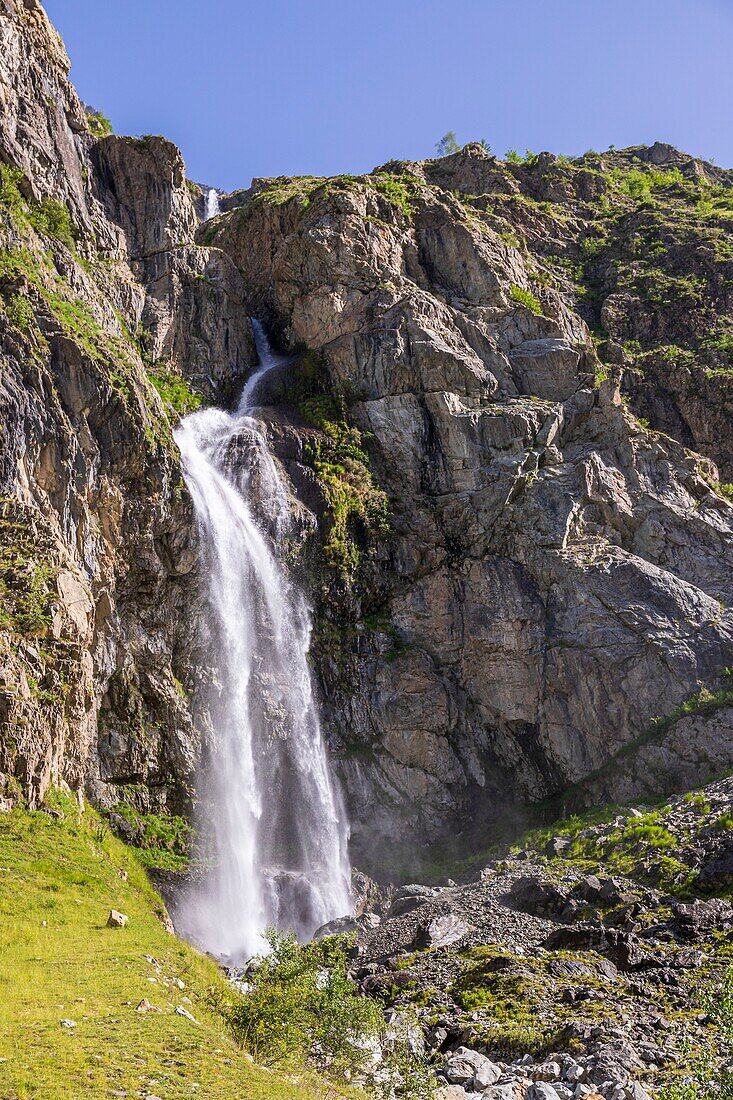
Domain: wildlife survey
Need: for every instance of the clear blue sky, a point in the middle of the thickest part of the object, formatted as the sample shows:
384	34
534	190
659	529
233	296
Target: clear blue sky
268	87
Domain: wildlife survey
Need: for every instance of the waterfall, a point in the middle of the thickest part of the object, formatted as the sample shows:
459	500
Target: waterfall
212	206
275	822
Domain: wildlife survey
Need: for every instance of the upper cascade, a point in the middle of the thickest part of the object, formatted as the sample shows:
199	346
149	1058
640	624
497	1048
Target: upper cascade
212	206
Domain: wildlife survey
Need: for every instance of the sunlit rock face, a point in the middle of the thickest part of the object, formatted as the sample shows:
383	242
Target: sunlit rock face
556	575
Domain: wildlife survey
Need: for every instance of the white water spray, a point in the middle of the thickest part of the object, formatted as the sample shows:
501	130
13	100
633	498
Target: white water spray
212	206
277	824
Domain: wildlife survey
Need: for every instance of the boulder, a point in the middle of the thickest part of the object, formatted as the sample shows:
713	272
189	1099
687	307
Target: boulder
408	898
510	1090
443	931
471	1070
116	919
717	873
541	1090
547	1071
696	920
550	368
542	898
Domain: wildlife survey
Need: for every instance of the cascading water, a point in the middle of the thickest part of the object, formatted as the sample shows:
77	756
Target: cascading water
275	821
212	207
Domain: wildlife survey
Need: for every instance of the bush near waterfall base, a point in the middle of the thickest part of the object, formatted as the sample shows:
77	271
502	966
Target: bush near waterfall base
61	874
303	1007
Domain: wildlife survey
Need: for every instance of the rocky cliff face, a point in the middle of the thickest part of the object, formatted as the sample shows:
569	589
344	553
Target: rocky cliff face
104	297
521	573
557	573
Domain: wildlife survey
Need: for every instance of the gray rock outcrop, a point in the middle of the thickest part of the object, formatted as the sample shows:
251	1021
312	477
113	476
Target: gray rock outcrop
557	576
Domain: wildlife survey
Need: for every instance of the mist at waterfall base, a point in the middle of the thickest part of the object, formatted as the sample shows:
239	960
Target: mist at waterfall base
273	824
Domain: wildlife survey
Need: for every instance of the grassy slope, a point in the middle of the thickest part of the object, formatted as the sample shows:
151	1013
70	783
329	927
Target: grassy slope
66	873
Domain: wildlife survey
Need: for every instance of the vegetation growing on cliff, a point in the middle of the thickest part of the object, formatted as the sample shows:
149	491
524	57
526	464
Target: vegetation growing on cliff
161	840
525	298
358	510
48	217
27	573
174	391
395	189
99	125
33	286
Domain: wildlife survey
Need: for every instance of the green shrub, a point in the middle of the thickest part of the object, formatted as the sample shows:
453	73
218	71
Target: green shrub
52	219
99	125
511	238
175	391
20	312
394	189
525	298
304	1007
639	184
